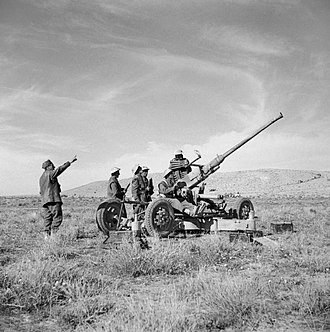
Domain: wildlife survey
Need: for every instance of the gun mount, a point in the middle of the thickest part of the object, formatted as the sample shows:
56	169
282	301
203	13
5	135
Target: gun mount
165	216
214	164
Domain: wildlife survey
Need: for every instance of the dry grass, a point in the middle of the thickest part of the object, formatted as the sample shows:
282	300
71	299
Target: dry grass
74	283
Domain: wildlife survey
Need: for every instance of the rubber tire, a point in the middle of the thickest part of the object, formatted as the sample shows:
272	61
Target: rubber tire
105	215
153	228
239	208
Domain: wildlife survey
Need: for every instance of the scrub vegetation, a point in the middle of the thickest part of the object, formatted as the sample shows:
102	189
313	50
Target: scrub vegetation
74	282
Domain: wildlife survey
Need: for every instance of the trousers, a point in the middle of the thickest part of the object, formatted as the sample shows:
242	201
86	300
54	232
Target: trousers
52	215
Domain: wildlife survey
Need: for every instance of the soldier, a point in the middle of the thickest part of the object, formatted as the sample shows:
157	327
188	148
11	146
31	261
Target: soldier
115	191
138	189
137	183
148	184
166	186
177	192
179	165
50	195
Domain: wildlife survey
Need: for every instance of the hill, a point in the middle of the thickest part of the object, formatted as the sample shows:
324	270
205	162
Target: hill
262	182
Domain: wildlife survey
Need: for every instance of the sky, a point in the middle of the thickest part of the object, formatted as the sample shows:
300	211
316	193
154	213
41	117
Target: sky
123	82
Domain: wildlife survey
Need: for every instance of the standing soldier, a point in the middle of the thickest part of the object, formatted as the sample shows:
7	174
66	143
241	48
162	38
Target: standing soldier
137	183
138	188
148	184
115	191
50	195
179	165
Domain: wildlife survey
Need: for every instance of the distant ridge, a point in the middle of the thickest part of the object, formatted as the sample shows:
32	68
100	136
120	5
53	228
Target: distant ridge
247	183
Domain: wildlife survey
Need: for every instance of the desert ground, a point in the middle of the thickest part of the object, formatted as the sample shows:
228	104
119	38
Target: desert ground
74	282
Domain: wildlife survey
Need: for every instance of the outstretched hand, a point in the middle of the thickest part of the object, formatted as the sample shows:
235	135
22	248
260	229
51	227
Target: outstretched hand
73	159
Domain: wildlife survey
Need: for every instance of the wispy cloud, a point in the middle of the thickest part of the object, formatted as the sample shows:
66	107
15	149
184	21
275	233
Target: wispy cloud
265	2
238	38
320	65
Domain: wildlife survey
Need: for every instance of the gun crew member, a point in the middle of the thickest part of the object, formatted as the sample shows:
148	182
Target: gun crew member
138	189
137	183
179	165
166	186
177	192
50	196
114	189
147	183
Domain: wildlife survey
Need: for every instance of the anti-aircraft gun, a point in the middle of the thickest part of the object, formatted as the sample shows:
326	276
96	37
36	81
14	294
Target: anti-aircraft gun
161	217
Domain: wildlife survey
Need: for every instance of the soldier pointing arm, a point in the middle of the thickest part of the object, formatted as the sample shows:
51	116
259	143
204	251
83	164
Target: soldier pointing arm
50	190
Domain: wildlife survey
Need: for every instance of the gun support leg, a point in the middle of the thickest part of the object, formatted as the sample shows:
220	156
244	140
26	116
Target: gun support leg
108	237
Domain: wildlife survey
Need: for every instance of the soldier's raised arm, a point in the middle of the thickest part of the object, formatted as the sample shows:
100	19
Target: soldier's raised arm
59	170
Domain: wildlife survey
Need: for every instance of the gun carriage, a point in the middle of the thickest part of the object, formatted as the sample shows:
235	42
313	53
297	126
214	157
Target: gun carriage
162	218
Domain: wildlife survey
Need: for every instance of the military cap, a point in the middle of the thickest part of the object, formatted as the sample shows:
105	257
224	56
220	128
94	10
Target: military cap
145	168
114	170
136	168
177	152
46	163
167	172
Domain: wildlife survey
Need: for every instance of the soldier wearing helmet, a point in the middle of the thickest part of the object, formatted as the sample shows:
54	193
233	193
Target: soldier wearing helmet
179	165
166	186
137	183
147	184
177	193
114	189
138	189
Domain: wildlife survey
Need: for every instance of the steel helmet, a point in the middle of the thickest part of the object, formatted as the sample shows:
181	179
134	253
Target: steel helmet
177	152
136	168
114	170
167	172
145	168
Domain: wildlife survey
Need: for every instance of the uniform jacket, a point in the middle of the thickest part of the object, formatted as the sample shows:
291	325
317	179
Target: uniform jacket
114	189
148	188
165	188
138	188
49	187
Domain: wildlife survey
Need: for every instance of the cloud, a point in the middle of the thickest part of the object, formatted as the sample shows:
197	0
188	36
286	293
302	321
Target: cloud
19	172
156	156
240	39
320	65
265	2
32	121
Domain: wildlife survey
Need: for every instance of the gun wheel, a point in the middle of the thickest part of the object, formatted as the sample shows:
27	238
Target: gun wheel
243	208
107	215
159	218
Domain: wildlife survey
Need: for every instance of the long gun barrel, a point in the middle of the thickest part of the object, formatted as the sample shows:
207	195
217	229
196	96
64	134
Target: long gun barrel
214	164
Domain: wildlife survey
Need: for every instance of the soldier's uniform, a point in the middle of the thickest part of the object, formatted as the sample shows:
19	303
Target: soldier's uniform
146	185
172	190
137	183
51	201
166	186
138	189
179	166
114	189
